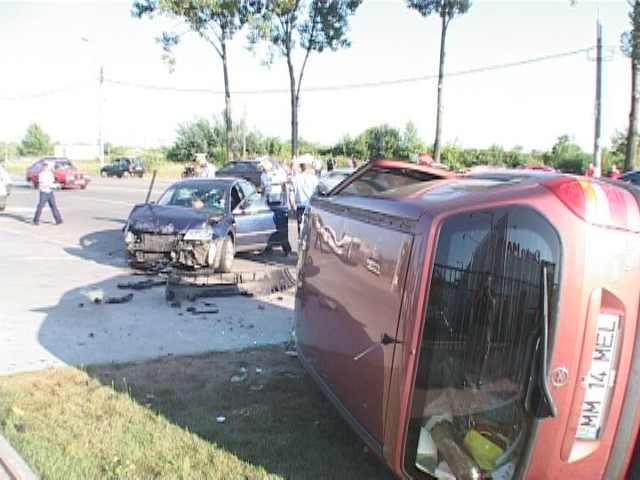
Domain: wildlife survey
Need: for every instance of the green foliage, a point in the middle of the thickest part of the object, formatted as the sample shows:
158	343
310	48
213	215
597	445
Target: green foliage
630	39
9	151
197	137
410	143
277	148
619	142
384	142
448	8
35	142
567	157
319	25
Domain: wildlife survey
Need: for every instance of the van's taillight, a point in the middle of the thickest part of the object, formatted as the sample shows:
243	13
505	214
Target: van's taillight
595	202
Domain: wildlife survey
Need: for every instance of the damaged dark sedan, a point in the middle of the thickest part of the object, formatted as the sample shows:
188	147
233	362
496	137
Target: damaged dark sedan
201	223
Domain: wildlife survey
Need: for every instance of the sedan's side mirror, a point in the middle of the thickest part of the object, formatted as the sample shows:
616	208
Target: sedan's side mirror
322	190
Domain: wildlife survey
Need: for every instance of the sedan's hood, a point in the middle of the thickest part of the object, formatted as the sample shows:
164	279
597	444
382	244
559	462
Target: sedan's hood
154	218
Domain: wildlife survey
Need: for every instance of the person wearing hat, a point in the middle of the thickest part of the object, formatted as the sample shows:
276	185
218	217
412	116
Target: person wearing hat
303	186
46	185
207	170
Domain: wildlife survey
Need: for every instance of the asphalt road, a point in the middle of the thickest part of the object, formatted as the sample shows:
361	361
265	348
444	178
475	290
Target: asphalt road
53	274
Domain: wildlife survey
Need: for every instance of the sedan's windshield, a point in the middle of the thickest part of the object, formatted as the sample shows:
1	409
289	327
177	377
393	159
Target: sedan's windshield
189	196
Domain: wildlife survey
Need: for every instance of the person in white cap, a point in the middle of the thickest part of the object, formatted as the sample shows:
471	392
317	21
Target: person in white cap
207	169
303	186
46	184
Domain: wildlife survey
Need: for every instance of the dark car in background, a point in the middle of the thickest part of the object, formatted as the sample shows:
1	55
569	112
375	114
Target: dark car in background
250	170
124	167
65	173
201	223
631	177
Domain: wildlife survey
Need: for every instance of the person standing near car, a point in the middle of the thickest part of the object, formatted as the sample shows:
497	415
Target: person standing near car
303	186
46	185
207	170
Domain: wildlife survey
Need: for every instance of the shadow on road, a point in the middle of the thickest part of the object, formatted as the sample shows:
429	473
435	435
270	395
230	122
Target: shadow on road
104	323
105	247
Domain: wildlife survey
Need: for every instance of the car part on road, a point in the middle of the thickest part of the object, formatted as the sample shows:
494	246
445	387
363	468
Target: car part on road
143	285
192	286
124	299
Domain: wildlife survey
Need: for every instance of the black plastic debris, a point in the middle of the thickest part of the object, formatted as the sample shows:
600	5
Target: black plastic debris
143	284
124	299
196	285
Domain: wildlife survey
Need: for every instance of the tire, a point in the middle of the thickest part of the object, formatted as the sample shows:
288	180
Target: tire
227	255
103	174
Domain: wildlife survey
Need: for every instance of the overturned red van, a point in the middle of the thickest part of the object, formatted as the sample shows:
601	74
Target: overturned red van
476	326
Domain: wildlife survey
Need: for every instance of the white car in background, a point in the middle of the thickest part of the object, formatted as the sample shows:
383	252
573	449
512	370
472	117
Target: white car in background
3	197
5	179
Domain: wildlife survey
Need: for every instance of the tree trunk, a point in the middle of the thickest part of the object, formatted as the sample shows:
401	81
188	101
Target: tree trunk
294	109
632	134
440	108
227	101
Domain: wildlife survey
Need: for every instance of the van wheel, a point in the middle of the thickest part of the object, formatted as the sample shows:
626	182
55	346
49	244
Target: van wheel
103	174
227	255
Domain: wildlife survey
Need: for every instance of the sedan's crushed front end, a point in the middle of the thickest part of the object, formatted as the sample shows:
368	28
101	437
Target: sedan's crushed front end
157	236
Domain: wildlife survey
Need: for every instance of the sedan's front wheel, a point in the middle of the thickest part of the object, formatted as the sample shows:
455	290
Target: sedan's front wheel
227	255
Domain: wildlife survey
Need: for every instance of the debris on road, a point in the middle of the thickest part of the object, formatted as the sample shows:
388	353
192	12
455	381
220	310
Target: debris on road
123	299
194	285
143	285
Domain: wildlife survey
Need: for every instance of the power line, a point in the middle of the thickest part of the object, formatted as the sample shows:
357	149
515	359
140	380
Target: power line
27	96
355	86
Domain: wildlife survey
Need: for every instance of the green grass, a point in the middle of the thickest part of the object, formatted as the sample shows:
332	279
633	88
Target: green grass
160	419
164	168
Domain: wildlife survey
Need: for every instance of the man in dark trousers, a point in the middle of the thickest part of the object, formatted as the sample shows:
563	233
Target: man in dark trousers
46	184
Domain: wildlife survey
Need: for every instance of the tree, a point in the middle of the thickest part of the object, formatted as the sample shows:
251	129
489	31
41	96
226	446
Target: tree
630	41
446	9
215	21
319	25
35	142
566	156
196	137
411	143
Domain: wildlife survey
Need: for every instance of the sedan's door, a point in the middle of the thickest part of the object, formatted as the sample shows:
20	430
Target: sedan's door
255	222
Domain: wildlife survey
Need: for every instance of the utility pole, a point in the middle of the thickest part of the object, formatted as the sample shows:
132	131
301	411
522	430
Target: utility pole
100	139
597	149
100	100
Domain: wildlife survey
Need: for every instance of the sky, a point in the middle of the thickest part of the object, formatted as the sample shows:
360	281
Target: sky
518	73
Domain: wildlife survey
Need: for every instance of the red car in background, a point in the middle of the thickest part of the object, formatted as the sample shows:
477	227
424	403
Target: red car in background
66	175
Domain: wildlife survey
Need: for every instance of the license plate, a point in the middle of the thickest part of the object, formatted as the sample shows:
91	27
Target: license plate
601	378
79	182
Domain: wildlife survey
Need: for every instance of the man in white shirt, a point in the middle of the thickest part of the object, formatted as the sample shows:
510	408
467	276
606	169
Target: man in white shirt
303	186
46	184
207	169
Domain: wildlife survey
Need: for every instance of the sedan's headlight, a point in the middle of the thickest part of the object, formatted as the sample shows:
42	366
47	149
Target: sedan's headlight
201	233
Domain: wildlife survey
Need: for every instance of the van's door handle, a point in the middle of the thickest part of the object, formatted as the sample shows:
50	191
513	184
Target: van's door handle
386	339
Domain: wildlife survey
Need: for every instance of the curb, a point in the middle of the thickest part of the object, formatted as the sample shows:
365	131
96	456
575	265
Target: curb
12	466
